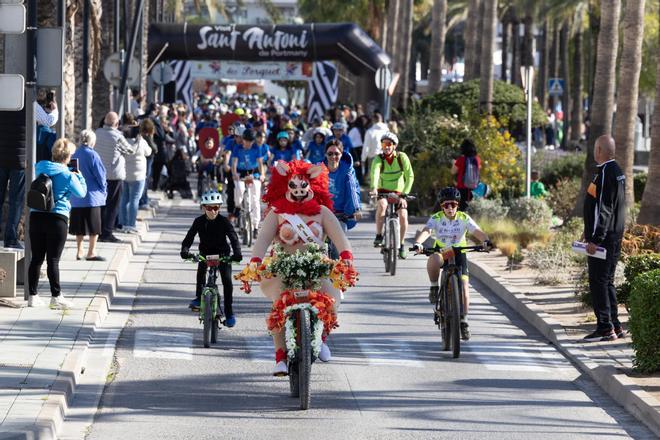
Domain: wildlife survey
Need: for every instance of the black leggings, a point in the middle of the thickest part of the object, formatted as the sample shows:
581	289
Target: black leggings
224	270
47	237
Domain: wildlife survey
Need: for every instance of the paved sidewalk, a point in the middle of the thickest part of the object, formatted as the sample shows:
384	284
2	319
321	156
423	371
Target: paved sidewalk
557	314
42	351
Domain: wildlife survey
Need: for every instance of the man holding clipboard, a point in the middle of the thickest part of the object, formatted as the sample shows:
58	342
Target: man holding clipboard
604	223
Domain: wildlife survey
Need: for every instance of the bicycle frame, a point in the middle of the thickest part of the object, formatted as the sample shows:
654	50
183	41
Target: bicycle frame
210	291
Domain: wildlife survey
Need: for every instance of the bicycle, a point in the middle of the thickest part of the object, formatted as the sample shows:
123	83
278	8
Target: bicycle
245	219
210	308
391	231
449	303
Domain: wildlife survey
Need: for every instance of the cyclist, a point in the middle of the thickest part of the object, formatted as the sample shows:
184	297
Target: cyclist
284	149
450	227
339	132
391	172
231	146
247	160
206	165
316	148
214	231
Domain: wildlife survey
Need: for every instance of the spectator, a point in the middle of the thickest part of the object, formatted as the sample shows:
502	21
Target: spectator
46	107
136	174
371	146
86	211
178	175
536	187
48	229
112	147
147	130
339	133
464	169
356	134
12	165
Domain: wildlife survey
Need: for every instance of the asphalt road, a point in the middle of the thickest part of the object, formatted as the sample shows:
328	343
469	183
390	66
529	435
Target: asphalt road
388	377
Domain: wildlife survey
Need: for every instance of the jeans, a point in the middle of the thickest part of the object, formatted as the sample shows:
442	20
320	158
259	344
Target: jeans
47	238
601	285
111	208
130	201
144	200
16	180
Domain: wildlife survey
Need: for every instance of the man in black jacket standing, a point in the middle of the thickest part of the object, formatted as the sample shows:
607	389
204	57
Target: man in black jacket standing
604	223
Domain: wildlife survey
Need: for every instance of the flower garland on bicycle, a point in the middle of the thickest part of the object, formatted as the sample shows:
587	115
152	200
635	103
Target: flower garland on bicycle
300	215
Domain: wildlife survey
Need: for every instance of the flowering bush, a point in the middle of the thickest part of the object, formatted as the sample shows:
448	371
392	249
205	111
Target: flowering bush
531	211
562	197
487	209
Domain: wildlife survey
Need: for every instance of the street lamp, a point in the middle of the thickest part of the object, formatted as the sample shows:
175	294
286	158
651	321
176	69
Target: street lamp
527	75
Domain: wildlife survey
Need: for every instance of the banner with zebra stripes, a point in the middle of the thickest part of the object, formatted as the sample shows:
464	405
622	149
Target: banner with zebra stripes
183	81
323	90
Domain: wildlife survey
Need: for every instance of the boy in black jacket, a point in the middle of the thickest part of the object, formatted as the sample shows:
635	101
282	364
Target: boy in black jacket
214	231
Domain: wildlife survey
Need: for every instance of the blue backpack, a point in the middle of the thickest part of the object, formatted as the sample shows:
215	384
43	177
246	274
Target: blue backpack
471	173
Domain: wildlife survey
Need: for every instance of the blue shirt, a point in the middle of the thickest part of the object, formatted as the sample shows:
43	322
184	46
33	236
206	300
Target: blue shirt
93	170
345	140
265	149
315	152
247	157
286	155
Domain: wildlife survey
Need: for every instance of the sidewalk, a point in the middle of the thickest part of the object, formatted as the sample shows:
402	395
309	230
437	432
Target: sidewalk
42	351
558	315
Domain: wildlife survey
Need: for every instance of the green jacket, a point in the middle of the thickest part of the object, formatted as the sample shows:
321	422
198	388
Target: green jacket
398	177
537	190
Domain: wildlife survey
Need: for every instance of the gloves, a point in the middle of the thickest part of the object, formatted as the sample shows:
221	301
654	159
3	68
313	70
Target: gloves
487	245
236	258
256	260
185	253
418	248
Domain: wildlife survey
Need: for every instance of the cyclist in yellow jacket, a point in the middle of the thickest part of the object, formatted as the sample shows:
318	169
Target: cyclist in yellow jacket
391	172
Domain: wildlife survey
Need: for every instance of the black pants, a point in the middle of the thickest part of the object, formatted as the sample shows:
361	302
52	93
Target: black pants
224	270
111	208
466	197
156	169
601	285
231	205
47	238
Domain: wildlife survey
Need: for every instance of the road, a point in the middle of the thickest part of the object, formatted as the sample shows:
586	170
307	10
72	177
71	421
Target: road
388	377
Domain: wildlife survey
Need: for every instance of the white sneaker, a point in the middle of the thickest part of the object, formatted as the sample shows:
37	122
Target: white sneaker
59	302
35	301
324	354
280	369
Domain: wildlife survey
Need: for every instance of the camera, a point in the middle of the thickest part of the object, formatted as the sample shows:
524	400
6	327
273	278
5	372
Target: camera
73	165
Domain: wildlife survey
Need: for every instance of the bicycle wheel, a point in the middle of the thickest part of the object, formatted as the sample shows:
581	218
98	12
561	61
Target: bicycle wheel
214	321
393	251
243	228
385	249
208	318
454	316
248	230
441	306
304	358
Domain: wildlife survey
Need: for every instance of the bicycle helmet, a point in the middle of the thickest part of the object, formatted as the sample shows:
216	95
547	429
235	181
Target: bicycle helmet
282	135
248	135
239	112
389	136
238	131
211	198
339	126
449	193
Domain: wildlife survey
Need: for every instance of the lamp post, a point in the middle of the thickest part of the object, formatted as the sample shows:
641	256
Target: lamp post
527	75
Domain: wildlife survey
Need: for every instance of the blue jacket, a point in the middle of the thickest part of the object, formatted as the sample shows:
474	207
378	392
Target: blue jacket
344	188
315	152
345	140
93	170
65	185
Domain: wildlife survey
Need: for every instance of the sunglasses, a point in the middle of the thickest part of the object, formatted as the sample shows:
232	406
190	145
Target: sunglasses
211	208
387	143
333	154
449	205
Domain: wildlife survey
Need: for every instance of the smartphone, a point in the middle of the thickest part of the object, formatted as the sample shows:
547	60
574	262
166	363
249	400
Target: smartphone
73	165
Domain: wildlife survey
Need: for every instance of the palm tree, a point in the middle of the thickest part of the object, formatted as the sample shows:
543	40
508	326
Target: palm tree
576	80
487	49
439	17
604	81
649	213
471	38
626	99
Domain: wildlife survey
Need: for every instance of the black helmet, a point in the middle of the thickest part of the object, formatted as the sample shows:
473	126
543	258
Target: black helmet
449	193
248	135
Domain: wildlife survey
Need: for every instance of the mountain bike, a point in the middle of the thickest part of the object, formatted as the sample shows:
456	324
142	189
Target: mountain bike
449	305
300	364
210	308
391	231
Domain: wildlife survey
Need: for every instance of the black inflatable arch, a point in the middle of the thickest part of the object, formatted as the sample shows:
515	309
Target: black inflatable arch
345	42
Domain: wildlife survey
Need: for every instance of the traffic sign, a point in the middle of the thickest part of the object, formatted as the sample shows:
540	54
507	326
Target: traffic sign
112	71
383	77
556	86
12	96
12	19
162	73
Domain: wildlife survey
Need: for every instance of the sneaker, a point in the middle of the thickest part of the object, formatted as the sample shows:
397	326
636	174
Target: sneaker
280	369
109	239
195	304
378	241
230	321
403	253
14	245
600	336
35	301
324	354
59	302
433	294
465	331
620	332
255	233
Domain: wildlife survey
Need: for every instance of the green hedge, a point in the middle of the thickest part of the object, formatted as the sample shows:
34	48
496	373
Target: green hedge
636	265
644	321
569	166
639	182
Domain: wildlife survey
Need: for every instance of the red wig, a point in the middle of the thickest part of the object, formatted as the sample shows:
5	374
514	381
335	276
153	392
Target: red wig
275	193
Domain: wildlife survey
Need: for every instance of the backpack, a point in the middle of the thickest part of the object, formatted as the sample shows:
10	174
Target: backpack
382	162
40	196
471	173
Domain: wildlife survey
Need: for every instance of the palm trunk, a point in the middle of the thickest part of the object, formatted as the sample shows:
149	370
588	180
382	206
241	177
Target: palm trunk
100	87
506	38
405	45
471	38
438	19
576	89
544	67
515	54
604	81
528	42
566	97
626	100
554	60
649	213
487	49
476	68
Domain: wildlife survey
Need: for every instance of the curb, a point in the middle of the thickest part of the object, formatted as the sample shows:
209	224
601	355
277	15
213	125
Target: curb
52	414
620	387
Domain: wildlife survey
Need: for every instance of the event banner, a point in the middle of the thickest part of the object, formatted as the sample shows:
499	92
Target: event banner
274	70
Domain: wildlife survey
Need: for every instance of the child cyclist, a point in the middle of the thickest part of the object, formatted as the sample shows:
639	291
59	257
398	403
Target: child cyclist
450	227
214	231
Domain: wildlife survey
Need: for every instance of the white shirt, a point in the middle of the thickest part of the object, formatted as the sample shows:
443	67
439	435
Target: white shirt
355	137
371	147
451	232
44	118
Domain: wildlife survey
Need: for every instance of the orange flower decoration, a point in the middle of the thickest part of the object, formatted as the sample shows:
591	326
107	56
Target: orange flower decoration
321	301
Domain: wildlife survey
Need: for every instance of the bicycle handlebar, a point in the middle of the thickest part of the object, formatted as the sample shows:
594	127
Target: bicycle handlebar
439	250
202	259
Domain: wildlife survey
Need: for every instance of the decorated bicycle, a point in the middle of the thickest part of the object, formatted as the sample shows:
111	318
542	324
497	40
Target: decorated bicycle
303	283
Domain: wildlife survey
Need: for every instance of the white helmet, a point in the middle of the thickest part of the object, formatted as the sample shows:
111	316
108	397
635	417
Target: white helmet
211	198
238	131
389	136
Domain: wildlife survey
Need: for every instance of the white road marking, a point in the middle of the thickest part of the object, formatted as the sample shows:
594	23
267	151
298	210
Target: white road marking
502	357
261	349
392	353
163	345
